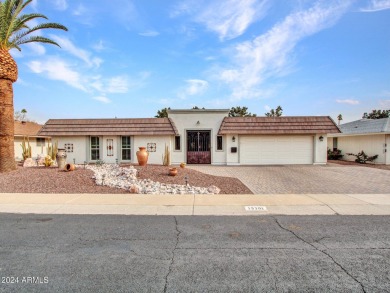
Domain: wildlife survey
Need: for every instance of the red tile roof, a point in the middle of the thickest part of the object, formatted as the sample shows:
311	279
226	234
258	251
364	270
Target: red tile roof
134	126
26	128
278	125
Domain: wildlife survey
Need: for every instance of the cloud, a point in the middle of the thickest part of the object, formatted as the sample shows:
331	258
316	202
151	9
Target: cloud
57	69
102	99
376	5
118	84
80	10
84	55
228	19
348	101
99	46
384	104
36	48
193	87
149	34
60	4
267	108
269	55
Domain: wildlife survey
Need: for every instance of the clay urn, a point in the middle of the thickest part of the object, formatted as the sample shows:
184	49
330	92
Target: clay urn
61	158
142	156
172	171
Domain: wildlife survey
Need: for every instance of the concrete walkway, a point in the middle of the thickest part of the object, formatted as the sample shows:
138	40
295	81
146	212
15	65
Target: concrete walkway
263	204
305	179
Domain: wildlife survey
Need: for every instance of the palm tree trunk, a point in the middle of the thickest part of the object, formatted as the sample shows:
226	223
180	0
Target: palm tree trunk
7	160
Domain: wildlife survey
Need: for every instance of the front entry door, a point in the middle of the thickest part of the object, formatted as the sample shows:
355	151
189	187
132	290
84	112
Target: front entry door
198	147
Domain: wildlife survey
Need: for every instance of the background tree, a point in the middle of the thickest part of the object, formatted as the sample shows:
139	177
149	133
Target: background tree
163	113
14	32
339	118
377	114
240	112
275	113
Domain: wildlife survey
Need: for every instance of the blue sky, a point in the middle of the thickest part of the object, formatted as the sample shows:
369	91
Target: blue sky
123	58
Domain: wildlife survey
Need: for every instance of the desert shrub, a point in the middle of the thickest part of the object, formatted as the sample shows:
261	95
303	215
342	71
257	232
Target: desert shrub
362	157
335	154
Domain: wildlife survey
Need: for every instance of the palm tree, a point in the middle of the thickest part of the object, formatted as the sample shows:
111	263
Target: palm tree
339	118
14	31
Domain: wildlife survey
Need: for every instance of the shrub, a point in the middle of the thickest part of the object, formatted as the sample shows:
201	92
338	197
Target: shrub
335	154
362	157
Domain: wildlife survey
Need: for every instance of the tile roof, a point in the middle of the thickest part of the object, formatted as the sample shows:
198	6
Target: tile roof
26	128
133	126
366	126
278	125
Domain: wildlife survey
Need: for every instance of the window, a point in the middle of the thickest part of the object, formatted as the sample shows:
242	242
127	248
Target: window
334	143
69	147
95	148
177	143
219	143
40	141
126	148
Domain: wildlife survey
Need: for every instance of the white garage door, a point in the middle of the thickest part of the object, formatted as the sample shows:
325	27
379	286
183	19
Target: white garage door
276	150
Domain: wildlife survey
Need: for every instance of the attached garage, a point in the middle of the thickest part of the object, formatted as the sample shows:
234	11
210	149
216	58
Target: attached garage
277	140
276	149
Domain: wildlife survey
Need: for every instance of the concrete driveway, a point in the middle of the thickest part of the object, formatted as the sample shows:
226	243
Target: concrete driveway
305	179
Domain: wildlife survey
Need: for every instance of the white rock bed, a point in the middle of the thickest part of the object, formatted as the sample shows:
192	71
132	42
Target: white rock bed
126	178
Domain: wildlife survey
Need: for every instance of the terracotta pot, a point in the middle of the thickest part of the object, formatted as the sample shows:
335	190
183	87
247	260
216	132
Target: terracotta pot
172	171
142	156
61	158
70	167
182	165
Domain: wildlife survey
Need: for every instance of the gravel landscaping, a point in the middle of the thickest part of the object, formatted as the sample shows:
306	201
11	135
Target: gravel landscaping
51	180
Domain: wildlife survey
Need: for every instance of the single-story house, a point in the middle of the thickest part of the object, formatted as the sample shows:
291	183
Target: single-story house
28	131
196	136
369	135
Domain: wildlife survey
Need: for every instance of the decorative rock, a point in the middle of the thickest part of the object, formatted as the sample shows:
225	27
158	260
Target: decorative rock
126	178
214	189
134	189
29	162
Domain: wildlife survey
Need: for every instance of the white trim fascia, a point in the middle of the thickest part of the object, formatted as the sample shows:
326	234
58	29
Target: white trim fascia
356	134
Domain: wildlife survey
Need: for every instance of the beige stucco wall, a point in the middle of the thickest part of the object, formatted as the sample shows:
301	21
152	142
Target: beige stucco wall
370	144
232	158
154	157
79	148
320	149
35	149
207	121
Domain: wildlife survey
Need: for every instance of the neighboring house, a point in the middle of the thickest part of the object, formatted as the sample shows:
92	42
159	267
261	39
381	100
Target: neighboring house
369	135
196	136
29	132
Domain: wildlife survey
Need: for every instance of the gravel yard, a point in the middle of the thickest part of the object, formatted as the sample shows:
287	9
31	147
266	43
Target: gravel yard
51	180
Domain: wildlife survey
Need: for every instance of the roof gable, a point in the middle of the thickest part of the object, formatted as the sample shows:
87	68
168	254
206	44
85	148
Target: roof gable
278	125
133	126
24	128
366	126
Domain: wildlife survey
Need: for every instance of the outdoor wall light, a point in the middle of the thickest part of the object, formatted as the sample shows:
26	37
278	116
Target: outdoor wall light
233	139
197	123
321	138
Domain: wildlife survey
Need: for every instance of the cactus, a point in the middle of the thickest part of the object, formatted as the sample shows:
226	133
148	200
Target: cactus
26	148
52	150
48	161
166	157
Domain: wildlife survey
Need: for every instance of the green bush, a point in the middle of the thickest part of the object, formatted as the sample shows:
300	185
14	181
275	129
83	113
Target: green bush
335	154
362	157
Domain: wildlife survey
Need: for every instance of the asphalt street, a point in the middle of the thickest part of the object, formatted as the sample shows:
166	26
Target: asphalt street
103	253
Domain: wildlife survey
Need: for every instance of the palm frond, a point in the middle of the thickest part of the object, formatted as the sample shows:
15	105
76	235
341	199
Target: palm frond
14	28
35	39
